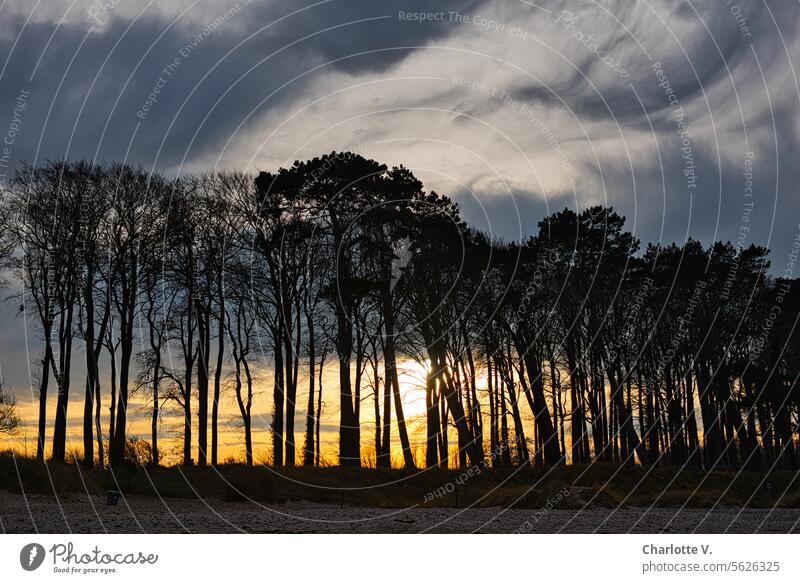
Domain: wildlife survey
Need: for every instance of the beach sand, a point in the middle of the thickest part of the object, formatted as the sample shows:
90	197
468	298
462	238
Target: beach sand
144	514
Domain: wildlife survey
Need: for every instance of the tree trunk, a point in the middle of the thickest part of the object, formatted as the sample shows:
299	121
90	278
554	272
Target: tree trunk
91	374
390	363
98	425
154	420
544	423
348	432
218	369
112	407
432	420
319	410
43	382
116	454
625	416
277	396
88	420
63	380
203	358
308	448
385	455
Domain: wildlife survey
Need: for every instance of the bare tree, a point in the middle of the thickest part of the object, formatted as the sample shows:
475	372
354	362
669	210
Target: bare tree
9	420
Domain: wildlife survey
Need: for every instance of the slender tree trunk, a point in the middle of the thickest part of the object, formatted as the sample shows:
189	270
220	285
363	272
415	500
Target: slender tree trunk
544	423
91	375
710	418
96	348
348	434
248	435
625	417
519	431
754	452
432	419
127	312
203	358
309	447
248	438
577	426
112	407
474	453
43	382
88	420
154	417
118	441
218	369
385	455
376	391
319	410
98	425
290	390
694	457
278	397
475	409
408	459
505	453
444	446
63	380
244	405
492	406
292	369
390	363
188	364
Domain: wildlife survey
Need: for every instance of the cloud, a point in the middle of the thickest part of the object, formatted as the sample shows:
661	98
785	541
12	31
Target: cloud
486	100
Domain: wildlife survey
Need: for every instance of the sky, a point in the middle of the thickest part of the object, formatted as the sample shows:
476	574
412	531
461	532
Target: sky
682	115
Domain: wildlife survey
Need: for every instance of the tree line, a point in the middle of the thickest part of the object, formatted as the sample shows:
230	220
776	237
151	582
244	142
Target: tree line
573	345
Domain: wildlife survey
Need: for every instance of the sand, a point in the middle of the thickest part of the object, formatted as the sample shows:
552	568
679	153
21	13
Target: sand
142	514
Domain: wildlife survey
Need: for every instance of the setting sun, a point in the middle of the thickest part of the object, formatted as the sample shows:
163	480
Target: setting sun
412	376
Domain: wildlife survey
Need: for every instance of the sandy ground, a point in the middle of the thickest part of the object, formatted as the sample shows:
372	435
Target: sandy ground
19	514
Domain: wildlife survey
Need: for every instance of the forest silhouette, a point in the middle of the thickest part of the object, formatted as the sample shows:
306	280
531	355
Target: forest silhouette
573	346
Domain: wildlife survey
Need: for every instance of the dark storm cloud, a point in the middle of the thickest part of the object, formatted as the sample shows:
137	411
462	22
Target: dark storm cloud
694	59
114	68
712	64
714	72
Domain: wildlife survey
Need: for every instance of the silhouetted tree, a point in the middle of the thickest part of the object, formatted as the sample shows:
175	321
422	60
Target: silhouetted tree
569	345
9	420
